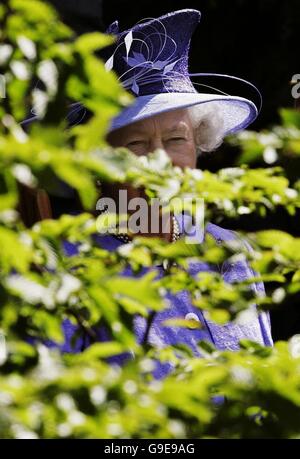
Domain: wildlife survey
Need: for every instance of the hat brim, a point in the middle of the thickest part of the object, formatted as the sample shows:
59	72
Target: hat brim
237	112
76	114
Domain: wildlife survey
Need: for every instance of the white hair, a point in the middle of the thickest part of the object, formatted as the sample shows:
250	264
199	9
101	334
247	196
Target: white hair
208	124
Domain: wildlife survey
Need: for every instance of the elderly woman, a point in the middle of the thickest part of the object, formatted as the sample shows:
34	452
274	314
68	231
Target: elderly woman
168	113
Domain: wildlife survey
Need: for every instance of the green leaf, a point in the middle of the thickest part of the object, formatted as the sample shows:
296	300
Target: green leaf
143	291
101	351
89	42
290	118
182	323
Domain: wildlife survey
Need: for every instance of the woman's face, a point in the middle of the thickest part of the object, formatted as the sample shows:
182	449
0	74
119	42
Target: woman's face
171	131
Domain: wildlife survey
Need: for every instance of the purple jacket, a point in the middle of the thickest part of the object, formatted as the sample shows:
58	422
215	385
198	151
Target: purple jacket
252	326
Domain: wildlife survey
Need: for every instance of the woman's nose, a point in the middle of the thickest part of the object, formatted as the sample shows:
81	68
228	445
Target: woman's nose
156	143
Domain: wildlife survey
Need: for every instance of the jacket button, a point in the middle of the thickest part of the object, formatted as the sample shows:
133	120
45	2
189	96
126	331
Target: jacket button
192	317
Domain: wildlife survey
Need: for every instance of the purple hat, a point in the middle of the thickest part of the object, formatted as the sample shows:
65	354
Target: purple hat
151	61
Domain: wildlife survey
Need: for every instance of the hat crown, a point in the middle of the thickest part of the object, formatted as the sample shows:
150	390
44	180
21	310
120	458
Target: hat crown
152	56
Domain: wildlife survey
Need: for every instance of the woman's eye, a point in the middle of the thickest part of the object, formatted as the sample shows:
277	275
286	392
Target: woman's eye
176	139
135	143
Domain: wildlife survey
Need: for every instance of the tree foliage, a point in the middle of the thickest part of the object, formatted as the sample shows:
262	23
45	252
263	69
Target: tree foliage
47	394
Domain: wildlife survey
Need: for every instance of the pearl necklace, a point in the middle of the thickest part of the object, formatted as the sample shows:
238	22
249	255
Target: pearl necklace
126	239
